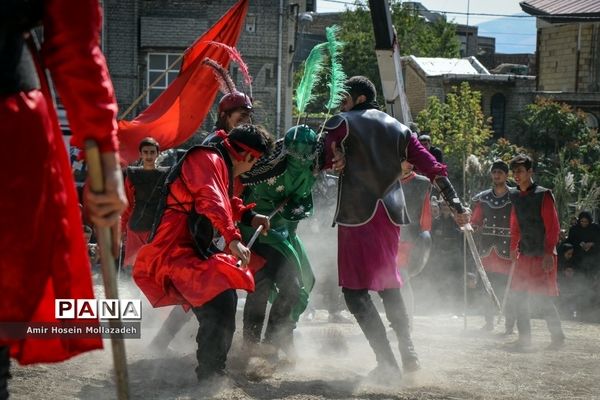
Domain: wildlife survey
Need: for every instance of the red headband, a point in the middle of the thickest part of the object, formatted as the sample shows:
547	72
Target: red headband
227	143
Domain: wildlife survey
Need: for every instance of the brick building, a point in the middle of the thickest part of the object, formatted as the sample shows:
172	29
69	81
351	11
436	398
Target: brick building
141	38
568	53
503	95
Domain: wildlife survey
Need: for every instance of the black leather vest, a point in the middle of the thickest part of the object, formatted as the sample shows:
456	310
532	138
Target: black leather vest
415	191
495	232
17	70
529	214
148	188
375	145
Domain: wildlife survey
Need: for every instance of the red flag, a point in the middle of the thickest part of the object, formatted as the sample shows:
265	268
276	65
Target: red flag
178	112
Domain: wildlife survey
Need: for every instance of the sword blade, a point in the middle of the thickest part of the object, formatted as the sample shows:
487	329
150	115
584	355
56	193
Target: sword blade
468	230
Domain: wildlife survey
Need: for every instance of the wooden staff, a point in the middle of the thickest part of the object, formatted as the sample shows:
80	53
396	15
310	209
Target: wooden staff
96	180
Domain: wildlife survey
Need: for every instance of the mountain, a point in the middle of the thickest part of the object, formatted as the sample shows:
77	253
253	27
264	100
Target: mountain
513	35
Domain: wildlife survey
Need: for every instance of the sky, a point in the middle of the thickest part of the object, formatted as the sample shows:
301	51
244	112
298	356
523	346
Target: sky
515	37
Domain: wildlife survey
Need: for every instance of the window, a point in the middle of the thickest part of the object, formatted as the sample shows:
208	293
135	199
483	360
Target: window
157	64
498	110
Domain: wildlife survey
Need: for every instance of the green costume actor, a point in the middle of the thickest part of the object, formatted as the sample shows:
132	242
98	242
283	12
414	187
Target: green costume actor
283	181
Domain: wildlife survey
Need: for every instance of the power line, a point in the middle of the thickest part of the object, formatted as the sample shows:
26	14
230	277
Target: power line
547	17
352	3
483	14
484	32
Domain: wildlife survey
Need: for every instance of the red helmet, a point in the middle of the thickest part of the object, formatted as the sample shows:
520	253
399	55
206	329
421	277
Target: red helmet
234	100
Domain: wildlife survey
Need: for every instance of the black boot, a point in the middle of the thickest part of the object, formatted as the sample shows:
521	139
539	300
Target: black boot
215	333
395	310
360	305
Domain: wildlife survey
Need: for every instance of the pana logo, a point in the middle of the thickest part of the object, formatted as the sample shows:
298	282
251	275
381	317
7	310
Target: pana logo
98	309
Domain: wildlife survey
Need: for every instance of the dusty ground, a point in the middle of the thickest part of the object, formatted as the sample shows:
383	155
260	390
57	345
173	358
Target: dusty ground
334	359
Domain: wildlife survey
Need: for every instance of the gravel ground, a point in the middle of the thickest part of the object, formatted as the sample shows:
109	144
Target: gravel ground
334	360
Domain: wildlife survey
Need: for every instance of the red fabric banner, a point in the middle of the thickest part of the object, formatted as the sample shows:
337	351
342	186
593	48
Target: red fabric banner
178	112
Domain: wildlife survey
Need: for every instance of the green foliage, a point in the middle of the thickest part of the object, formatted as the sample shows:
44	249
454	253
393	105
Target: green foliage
554	130
549	126
415	37
575	189
458	127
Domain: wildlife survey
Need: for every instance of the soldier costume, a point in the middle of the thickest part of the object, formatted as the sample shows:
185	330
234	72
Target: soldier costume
371	208
284	179
491	214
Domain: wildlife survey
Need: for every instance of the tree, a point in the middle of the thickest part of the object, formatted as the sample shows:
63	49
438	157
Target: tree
415	37
548	126
459	127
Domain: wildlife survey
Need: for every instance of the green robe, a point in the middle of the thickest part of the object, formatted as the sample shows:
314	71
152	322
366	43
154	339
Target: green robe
294	184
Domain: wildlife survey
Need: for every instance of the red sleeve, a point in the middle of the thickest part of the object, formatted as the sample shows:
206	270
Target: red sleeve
71	53
477	216
515	232
424	162
426	214
207	179
239	208
551	223
336	135
130	193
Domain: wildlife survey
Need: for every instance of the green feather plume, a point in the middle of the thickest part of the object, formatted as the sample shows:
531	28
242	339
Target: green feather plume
312	68
337	76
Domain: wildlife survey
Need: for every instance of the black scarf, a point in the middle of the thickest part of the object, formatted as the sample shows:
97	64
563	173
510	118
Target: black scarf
366	106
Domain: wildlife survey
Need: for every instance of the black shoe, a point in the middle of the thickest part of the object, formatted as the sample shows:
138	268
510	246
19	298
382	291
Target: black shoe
489	326
521	345
556	344
212	376
505	333
412	365
385	374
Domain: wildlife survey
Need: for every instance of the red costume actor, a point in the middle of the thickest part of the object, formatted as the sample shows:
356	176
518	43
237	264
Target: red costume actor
143	187
534	230
415	238
44	255
180	265
491	217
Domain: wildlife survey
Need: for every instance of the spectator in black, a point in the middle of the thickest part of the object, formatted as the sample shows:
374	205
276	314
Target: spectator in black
435	151
585	238
571	281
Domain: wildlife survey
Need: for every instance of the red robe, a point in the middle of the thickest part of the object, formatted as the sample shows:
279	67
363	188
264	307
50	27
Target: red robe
529	275
405	247
168	269
44	255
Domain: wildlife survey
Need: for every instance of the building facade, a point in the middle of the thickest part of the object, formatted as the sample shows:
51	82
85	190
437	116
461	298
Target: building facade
143	38
568	53
503	96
